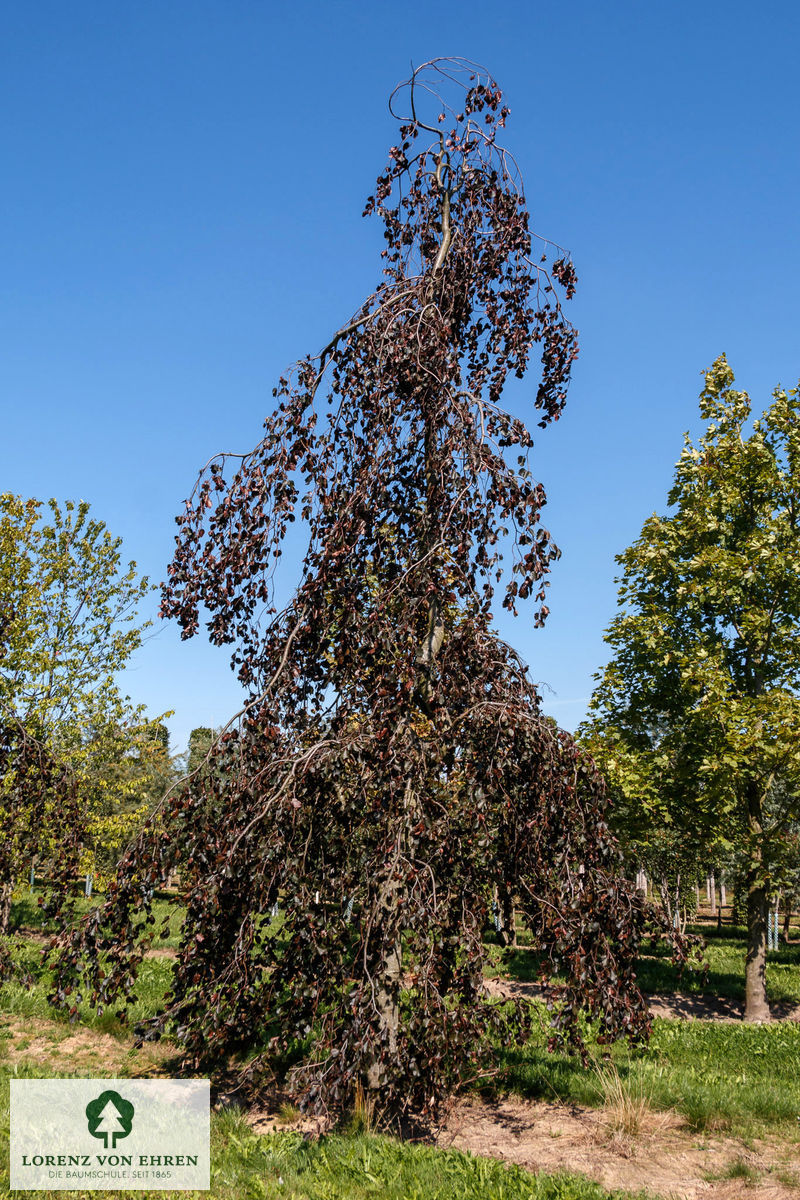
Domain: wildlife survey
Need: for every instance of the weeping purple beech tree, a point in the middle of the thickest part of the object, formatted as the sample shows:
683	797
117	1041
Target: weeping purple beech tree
392	763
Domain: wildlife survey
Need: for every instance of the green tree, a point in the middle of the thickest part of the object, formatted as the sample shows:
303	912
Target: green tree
132	771
68	626
70	612
200	742
695	718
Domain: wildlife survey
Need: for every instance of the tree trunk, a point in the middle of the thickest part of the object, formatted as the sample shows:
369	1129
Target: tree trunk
6	892
756	1007
388	977
388	983
387	1003
666	898
508	917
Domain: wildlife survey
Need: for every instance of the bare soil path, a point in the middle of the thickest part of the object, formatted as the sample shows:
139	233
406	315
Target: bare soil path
664	1157
669	1004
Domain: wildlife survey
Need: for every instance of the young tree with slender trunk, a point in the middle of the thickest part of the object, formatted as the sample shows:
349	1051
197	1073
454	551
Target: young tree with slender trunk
68	625
392	762
695	718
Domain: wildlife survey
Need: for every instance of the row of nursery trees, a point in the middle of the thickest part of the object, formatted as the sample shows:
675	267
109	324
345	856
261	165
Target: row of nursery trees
685	886
392	771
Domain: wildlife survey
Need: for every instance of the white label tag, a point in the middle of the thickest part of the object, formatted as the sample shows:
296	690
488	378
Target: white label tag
129	1134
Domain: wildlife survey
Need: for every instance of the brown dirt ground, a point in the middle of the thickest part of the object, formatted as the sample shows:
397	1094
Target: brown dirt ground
663	1157
269	1120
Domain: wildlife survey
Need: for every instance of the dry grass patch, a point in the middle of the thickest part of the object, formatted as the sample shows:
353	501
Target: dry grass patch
70	1049
627	1112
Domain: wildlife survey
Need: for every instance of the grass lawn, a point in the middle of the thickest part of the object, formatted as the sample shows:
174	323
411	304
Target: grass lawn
341	1166
720	1076
346	1165
724	953
744	1079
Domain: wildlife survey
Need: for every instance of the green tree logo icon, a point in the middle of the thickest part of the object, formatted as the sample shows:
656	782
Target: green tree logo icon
109	1116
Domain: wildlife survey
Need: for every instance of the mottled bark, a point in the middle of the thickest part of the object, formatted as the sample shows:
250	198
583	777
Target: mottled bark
389	976
387	1005
756	1006
508	931
6	891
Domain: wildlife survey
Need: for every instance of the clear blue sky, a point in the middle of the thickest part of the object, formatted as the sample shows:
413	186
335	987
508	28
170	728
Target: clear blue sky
183	183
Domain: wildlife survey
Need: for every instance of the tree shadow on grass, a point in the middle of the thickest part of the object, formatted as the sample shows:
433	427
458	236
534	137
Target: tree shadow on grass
657	976
533	1072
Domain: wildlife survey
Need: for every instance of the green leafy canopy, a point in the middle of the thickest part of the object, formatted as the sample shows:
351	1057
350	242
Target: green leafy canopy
68	626
694	719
